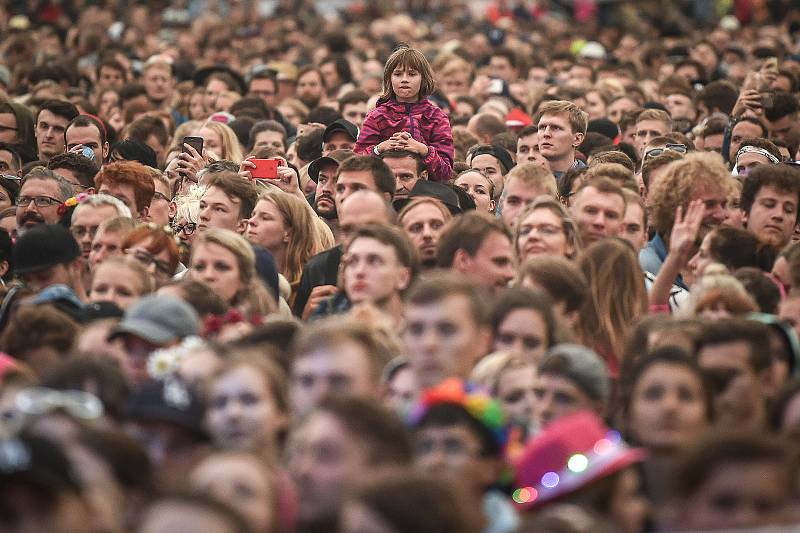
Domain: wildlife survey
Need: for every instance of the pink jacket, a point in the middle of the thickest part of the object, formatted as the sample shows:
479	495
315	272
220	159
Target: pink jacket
424	121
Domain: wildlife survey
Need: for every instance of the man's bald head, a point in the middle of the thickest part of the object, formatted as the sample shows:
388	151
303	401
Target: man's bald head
362	207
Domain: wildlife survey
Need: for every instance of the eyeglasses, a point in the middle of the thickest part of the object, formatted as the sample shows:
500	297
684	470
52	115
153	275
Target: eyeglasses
79	232
186	229
160	196
547	230
147	259
39	201
670	147
41	400
11	177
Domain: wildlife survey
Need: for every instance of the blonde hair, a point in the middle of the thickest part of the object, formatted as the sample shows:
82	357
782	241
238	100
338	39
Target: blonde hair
301	245
448	63
146	281
716	290
252	296
696	171
489	370
182	131
405	56
619	174
188	205
423	200
533	175
230	144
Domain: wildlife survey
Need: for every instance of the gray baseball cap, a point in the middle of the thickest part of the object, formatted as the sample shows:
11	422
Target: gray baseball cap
159	320
582	366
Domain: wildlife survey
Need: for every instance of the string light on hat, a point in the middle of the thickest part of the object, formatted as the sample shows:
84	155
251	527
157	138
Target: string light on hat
605	454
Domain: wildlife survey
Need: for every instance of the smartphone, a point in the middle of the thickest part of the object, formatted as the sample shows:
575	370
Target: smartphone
495	86
266	169
194	142
88	153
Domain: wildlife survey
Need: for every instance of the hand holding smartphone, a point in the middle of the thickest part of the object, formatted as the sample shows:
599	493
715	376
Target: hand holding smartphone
194	142
265	169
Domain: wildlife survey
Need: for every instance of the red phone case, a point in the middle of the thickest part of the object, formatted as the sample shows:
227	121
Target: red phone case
266	169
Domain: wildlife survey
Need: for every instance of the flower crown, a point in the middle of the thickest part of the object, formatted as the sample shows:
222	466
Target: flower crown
165	362
474	400
213	324
71	202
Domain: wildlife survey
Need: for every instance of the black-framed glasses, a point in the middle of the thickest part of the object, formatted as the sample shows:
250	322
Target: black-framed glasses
670	147
160	196
38	201
186	229
146	259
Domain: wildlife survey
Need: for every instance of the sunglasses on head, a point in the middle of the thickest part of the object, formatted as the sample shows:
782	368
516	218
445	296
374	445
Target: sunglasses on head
670	147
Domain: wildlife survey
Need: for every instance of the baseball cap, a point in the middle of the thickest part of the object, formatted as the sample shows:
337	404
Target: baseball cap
201	77
582	366
333	158
44	246
431	189
496	151
170	401
592	50
342	125
158	319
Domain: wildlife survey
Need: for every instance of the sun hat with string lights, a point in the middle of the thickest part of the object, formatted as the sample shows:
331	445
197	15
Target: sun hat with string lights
568	455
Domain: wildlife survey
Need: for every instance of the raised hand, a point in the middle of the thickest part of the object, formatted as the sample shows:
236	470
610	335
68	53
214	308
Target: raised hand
683	239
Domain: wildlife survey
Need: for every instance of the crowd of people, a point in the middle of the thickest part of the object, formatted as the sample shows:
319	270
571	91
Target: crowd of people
394	267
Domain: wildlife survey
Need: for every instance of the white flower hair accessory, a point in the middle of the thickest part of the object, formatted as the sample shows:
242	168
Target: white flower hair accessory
165	362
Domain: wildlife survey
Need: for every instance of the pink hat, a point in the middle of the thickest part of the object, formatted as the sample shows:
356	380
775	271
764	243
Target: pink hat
569	454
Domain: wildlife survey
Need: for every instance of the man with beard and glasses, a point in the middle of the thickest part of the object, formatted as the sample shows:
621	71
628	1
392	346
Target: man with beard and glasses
40	196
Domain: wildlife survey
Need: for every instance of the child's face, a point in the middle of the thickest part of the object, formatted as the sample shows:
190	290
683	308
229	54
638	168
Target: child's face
406	82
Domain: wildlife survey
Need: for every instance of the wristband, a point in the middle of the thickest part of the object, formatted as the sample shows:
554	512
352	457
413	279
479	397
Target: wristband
375	150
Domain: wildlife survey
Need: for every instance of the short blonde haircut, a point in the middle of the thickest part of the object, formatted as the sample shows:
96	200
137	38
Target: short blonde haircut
619	174
655	114
534	175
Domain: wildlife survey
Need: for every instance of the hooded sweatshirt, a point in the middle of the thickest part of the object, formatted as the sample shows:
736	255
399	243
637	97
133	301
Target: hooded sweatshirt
26	139
425	122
